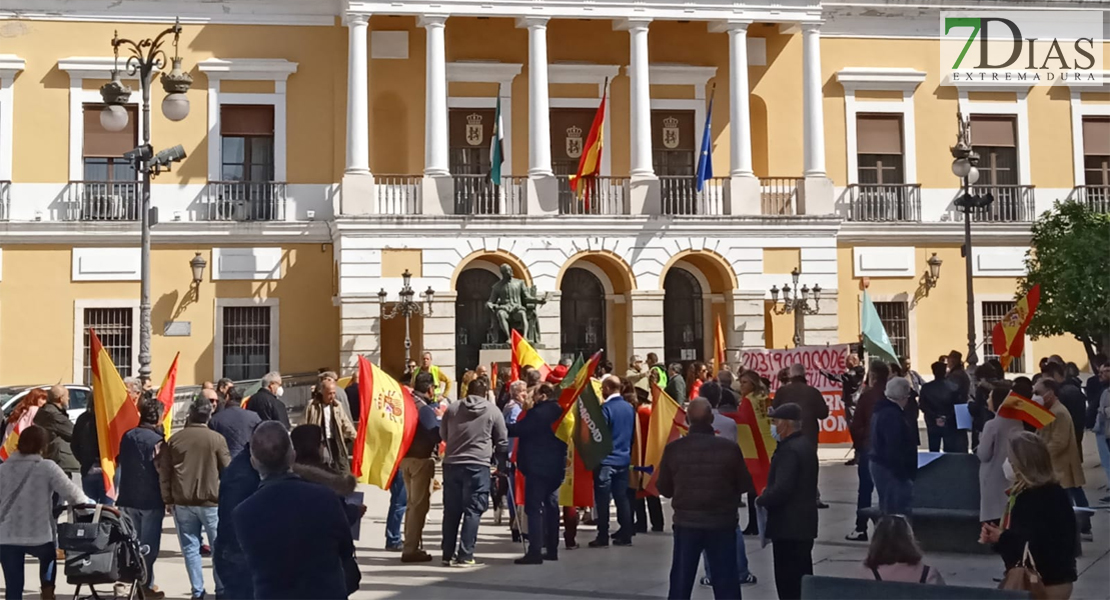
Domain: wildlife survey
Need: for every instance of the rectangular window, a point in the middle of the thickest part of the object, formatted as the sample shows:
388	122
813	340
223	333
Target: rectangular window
879	147
993	312
1096	150
246	342
102	152
114	327
469	132
672	143
247	142
993	138
896	323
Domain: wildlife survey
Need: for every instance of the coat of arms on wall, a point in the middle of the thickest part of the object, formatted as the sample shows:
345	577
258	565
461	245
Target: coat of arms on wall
574	141
474	133
670	133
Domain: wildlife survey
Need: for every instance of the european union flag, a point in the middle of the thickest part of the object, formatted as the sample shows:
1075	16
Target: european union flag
705	158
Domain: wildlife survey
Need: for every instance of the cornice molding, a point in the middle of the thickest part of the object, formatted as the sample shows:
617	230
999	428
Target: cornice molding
249	69
483	72
952	232
1103	85
94	67
10	64
582	73
190	12
883	79
99	234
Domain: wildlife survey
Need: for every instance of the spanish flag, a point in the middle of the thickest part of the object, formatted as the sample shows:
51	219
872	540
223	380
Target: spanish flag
590	163
1019	407
524	354
12	441
165	396
1008	336
753	433
387	422
115	413
718	347
578	482
667	424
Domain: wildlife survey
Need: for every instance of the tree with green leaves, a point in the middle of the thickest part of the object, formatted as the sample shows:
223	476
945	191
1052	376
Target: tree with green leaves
1070	258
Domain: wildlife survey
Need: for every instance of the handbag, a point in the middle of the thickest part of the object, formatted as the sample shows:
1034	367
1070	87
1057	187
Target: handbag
1024	577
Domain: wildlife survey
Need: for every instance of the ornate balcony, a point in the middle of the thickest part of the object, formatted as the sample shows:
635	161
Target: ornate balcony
680	196
884	202
1097	197
398	194
779	195
1012	204
476	195
103	201
244	201
601	196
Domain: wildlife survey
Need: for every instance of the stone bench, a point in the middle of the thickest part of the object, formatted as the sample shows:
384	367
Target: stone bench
816	587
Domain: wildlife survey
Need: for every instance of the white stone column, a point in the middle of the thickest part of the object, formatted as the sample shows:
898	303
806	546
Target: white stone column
539	106
740	120
812	100
358	96
647	321
436	163
640	99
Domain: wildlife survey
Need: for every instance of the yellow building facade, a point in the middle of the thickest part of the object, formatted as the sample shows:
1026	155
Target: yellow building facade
331	148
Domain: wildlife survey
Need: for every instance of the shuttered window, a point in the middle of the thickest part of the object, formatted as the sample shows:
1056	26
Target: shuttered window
247	142
1096	150
879	147
102	151
993	138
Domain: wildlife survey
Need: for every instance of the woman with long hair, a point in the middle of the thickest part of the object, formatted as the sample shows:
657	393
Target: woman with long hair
24	413
895	556
1038	516
699	373
993	451
753	390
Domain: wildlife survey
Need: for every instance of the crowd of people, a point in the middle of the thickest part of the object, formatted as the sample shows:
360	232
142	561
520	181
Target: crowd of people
236	467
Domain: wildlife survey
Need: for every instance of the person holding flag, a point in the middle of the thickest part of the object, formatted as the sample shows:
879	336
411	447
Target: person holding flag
994	450
140	496
611	476
22	417
418	468
541	457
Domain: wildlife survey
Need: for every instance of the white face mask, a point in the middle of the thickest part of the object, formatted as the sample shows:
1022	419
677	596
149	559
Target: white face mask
1039	399
280	391
1008	471
775	432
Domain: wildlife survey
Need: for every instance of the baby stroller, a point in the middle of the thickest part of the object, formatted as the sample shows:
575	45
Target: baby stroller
101	548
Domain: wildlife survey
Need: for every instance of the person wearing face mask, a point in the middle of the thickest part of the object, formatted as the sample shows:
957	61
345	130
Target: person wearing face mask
1059	436
994	450
266	401
790	499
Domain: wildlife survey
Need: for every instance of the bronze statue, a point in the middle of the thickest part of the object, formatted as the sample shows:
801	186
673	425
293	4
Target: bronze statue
514	306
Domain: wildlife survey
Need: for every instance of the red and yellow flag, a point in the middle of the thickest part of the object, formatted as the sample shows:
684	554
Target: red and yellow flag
524	354
115	413
12	441
578	482
589	166
718	347
166	393
753	433
1016	406
667	424
387	422
1008	336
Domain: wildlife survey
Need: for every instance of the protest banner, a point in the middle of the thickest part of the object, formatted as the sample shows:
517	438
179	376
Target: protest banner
768	363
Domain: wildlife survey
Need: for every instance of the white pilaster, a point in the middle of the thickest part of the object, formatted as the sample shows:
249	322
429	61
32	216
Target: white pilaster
647	321
358	96
539	104
640	98
436	163
740	129
812	99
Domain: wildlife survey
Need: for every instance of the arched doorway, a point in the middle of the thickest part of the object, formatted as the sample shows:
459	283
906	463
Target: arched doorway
472	318
582	318
683	318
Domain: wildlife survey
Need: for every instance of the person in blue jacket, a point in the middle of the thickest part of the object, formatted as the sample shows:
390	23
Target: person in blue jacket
611	478
541	457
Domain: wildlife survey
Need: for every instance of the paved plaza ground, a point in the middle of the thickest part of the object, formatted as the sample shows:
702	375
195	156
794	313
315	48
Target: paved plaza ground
637	572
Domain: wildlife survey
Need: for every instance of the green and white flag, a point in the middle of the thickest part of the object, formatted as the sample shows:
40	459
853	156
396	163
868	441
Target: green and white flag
592	439
875	339
497	144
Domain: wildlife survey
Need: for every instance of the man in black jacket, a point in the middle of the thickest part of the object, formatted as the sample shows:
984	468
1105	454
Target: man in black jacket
266	401
233	422
893	451
790	499
140	494
542	458
939	398
86	449
55	420
1071	396
812	403
417	468
705	477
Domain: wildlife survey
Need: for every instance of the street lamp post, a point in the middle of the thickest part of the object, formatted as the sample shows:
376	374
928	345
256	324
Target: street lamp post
797	304
146	56
965	167
408	308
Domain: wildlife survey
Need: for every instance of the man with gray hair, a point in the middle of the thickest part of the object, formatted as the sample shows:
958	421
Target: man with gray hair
312	520
134	387
340	393
893	450
267	400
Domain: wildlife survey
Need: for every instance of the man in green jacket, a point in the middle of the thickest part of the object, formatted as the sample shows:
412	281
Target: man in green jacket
54	418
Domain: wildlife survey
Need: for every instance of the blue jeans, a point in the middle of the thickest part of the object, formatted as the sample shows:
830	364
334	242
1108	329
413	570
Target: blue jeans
11	560
541	506
866	487
742	571
719	546
189	520
607	480
398	501
92	483
465	498
148	528
895	495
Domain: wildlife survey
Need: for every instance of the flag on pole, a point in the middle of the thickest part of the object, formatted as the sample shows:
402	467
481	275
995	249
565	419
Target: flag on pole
591	436
497	144
575	381
524	354
386	425
12	441
705	159
668	423
753	433
718	347
578	482
165	395
115	413
875	339
589	165
1018	407
1008	335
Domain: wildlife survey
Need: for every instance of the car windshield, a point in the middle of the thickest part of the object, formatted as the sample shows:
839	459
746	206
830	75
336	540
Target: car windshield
78	398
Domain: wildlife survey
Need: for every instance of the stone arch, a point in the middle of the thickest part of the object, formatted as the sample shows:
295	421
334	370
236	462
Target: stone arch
618	282
494	257
618	277
717	272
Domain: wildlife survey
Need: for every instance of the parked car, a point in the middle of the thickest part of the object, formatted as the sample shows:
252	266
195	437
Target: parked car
79	398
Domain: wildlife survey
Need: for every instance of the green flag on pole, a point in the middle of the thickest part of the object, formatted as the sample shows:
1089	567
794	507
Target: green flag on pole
497	144
875	339
592	439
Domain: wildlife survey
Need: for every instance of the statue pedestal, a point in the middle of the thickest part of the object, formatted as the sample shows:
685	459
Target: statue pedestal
502	354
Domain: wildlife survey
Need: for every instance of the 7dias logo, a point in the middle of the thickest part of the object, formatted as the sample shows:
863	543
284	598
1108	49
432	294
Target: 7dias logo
1021	47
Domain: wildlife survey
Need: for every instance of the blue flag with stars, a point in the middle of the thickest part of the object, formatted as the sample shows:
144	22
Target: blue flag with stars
705	158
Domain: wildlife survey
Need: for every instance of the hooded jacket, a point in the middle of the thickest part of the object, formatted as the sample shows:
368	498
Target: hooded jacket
473	430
